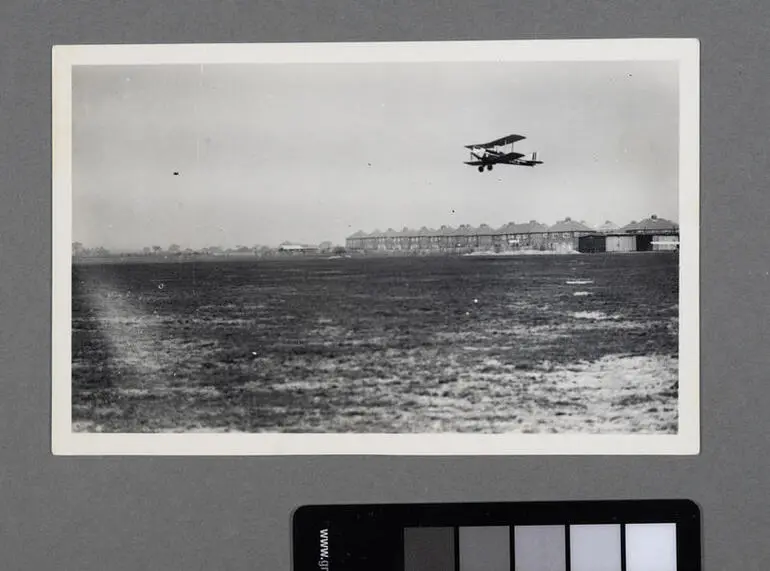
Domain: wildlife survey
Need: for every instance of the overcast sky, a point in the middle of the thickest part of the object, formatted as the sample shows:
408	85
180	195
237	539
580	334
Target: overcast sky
307	153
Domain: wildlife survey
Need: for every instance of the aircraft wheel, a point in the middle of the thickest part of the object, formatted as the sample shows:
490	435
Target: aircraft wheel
489	167
481	169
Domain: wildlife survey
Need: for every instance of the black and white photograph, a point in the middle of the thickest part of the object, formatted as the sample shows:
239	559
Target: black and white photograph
376	248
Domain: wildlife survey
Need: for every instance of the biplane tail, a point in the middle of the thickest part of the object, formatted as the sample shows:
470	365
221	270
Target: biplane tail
533	160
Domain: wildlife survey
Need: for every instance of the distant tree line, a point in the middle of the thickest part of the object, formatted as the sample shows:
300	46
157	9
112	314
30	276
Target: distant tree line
80	251
175	250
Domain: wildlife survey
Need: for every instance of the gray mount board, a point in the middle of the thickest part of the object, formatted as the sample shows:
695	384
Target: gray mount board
234	513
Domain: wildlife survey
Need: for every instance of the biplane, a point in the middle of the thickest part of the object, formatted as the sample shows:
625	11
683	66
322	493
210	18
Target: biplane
500	152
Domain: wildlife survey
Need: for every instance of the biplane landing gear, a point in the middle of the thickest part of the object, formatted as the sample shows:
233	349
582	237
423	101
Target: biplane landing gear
489	167
481	169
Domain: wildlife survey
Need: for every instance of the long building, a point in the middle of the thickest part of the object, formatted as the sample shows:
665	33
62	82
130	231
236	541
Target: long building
565	235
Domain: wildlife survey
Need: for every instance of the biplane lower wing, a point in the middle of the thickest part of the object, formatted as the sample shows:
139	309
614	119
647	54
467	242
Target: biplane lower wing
508	158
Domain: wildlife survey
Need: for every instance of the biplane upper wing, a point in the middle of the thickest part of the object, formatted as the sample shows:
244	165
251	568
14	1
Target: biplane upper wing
498	142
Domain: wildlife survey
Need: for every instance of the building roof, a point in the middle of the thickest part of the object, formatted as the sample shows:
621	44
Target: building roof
651	224
531	227
464	230
507	228
608	226
569	225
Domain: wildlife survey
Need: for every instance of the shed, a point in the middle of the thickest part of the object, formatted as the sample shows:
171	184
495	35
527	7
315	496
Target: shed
592	244
665	243
621	243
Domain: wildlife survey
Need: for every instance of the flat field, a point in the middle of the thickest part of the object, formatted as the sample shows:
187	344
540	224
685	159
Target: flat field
533	344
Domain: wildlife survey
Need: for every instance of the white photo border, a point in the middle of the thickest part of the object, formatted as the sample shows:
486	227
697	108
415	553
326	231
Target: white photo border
685	442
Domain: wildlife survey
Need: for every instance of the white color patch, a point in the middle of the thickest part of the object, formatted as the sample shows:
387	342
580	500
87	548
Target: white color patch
651	547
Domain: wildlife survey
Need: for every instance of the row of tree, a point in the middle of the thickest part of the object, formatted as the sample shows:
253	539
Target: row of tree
80	251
